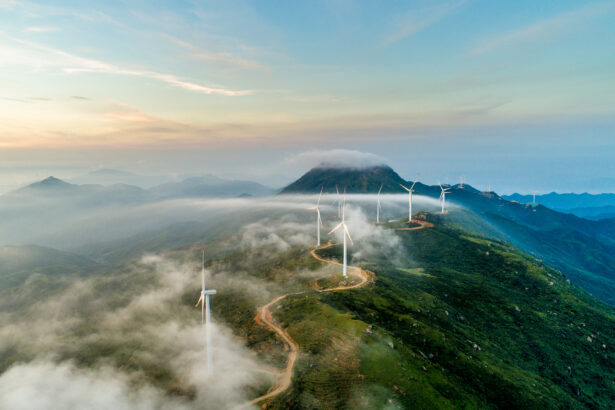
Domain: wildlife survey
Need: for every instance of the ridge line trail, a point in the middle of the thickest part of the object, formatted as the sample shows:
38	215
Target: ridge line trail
422	225
264	316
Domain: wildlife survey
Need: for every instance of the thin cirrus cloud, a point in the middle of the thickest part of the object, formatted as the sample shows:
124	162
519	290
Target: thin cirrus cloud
546	29
71	63
223	57
417	20
41	29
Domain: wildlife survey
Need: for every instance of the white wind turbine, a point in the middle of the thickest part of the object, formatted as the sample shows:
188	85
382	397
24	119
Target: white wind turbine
318	220
345	234
206	316
443	195
410	191
338	201
378	207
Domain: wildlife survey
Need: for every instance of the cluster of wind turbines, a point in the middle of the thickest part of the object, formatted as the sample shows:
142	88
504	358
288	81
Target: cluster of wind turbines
341	208
341	213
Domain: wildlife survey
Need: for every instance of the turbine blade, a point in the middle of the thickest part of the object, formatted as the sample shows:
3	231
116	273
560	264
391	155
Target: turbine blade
199	301
381	185
348	233
336	228
404	187
413	184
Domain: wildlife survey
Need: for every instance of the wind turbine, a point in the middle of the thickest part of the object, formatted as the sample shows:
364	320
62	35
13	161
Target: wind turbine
344	234
318	220
410	191
378	207
206	316
443	195
337	201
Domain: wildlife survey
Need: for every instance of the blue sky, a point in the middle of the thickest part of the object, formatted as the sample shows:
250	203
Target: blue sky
519	94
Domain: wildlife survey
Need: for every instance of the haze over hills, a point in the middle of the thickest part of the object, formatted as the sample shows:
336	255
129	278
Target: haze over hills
55	213
204	186
107	176
210	186
591	206
18	263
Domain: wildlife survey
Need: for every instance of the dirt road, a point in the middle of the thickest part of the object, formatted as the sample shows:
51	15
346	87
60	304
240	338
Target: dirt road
265	318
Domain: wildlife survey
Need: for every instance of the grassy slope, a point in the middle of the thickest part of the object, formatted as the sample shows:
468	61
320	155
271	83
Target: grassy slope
444	331
438	329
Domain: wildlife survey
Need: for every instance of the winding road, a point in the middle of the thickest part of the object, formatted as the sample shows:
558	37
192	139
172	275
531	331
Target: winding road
264	316
422	225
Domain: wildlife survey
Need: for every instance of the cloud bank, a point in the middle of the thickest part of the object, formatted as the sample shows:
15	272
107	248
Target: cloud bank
337	158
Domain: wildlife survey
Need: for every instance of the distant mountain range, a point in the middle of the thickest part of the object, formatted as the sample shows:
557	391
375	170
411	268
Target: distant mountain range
591	206
204	186
106	176
583	249
56	213
210	186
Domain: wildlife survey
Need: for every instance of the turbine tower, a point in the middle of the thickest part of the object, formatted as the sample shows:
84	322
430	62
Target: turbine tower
378	207
443	195
206	316
410	191
318	220
345	234
339	202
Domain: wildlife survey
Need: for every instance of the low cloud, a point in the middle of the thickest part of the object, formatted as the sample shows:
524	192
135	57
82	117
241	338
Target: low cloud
369	240
124	325
281	234
44	384
39	56
337	158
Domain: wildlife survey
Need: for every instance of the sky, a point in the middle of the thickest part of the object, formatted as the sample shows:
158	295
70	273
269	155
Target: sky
516	94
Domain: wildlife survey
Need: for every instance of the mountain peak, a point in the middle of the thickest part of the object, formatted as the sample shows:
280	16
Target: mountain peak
50	183
51	180
353	179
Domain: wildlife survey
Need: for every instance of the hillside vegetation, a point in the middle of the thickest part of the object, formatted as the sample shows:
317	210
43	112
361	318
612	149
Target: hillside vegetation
460	321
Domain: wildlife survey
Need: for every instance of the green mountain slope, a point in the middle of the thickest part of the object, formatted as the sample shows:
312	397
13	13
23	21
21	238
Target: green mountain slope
459	322
19	261
453	320
28	270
